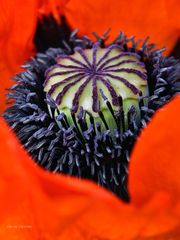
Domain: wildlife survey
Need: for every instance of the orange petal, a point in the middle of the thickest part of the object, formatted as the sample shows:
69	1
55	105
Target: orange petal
140	18
54	7
155	162
173	8
17	25
35	204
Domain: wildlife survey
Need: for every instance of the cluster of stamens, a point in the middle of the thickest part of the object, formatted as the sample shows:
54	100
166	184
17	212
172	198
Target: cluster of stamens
78	110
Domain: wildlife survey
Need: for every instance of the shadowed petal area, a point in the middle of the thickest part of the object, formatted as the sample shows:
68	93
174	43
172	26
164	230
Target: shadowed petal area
35	204
141	17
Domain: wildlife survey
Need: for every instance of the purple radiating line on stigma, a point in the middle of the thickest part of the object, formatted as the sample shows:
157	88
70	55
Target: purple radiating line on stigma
128	70
121	54
65	89
75	102
58	74
81	52
75	61
94	70
70	66
61	73
111	91
49	69
95	105
95	48
124	62
59	65
128	84
110	48
54	86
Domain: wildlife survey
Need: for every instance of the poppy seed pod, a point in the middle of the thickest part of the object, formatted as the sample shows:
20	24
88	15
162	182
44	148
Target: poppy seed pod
78	110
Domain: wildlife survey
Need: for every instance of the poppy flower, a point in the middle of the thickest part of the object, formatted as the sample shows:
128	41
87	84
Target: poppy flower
62	189
78	108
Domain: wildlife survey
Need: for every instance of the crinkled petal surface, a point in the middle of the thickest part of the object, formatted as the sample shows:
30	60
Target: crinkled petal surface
35	204
158	19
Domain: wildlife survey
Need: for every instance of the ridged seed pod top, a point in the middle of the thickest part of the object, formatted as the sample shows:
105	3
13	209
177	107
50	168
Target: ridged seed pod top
85	78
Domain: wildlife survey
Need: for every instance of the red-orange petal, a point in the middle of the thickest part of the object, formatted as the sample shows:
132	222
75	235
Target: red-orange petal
55	7
155	162
18	20
140	18
17	25
35	204
173	8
